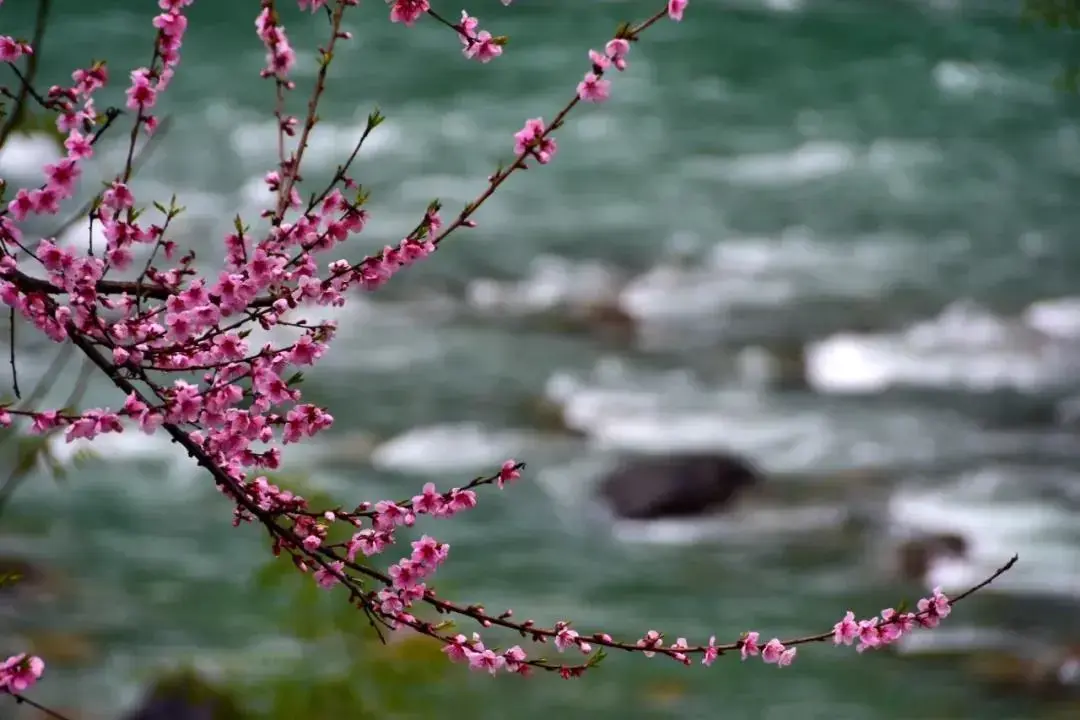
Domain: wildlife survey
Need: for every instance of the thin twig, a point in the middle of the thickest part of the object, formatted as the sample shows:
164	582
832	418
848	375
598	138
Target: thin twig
19	475
31	72
20	699
11	341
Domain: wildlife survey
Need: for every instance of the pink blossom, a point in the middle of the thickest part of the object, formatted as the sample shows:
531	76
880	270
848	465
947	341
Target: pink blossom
893	625
141	94
711	653
486	660
369	542
565	637
508	473
405	574
78	146
515	659
429	552
593	89
679	645
429	501
457	648
651	641
408	11
617	50
532	139
19	672
940	604
846	630
11	49
390	514
787	657
748	646
675	9
328	577
774	652
869	635
21	205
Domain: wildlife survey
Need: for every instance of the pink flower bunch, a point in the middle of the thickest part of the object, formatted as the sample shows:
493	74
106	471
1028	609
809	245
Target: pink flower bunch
176	340
479	44
408	11
593	88
774	652
12	49
891	625
280	57
533	140
19	673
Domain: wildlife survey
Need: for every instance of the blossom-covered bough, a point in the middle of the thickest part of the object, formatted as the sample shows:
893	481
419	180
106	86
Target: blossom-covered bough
174	338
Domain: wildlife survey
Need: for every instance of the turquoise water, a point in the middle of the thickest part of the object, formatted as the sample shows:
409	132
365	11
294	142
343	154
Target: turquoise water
770	175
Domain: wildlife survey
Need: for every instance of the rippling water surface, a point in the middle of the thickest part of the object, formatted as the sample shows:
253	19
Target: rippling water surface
885	191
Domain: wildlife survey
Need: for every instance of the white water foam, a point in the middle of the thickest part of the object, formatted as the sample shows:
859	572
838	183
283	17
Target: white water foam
1041	532
550	282
965	346
404	339
620	409
1059	317
24	156
959	78
815	160
459	448
765	271
748	526
957	639
810	161
130	445
328	145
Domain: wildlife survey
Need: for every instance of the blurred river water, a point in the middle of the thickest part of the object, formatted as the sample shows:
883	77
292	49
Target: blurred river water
885	194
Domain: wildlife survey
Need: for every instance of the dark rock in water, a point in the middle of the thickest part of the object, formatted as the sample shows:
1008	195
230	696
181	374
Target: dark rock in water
186	697
1050	673
26	585
916	555
172	708
550	417
678	486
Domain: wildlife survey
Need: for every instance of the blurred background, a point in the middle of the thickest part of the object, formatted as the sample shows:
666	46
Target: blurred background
835	237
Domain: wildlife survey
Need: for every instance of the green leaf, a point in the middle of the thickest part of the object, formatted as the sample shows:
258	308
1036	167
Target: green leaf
305	620
1068	81
30	449
274	573
83	457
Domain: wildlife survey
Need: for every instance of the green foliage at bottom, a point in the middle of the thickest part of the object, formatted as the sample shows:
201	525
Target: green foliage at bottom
346	669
